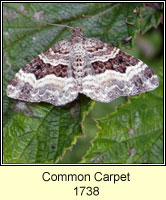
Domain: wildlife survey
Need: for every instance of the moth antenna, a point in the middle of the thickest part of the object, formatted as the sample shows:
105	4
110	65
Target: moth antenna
60	25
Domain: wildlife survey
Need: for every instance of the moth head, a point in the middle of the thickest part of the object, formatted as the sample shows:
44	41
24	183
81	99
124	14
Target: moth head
77	32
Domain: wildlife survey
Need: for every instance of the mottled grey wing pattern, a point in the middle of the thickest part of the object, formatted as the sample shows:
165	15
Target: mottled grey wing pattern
46	78
81	65
115	73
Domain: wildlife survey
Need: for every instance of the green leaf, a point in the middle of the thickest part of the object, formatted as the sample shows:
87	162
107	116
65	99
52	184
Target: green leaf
41	133
150	18
131	134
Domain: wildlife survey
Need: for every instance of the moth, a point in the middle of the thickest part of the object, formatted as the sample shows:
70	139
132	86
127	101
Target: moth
81	65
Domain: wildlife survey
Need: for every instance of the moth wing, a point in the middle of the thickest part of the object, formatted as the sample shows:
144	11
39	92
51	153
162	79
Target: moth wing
115	73
46	78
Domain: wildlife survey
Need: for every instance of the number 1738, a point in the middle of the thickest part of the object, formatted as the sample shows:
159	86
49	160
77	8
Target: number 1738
86	190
